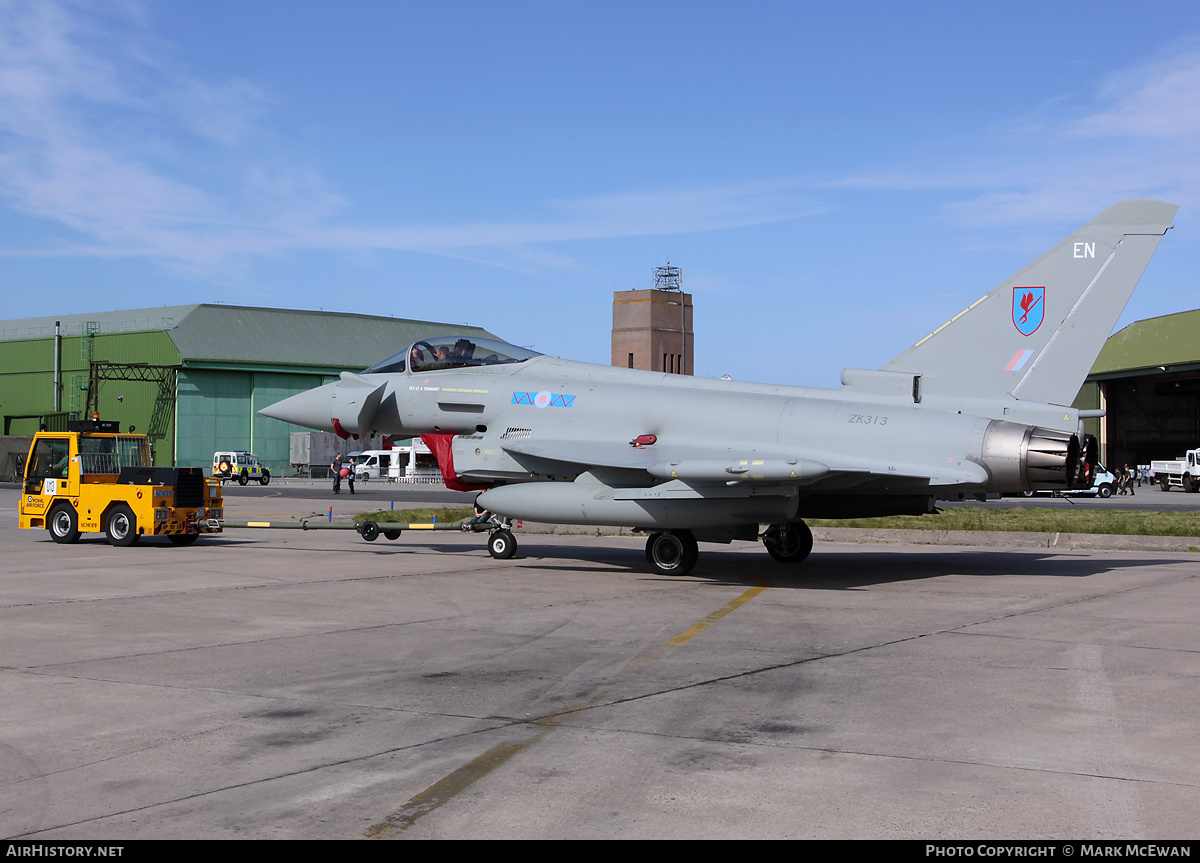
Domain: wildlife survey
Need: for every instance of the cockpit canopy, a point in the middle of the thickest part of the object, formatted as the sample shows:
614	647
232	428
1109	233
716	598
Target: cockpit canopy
452	352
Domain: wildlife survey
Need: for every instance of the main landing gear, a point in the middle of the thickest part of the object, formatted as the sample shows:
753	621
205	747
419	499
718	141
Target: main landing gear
674	552
788	543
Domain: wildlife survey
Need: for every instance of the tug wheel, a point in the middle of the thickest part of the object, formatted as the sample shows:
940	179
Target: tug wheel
64	524
120	526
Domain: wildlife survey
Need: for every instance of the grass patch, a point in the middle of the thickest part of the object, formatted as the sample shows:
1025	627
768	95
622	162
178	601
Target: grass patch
417	516
1114	521
1119	522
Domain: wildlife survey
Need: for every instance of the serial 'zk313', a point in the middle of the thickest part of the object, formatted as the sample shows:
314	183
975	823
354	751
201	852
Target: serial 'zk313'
979	405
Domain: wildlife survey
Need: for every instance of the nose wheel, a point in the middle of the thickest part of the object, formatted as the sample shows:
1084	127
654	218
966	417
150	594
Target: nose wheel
502	544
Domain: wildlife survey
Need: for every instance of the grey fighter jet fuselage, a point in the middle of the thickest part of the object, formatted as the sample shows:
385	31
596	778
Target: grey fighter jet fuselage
980	405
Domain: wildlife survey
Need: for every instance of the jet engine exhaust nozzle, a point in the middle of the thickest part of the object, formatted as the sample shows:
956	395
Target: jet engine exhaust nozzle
1022	457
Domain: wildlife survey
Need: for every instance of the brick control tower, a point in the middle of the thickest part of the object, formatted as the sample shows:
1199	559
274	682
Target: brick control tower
652	329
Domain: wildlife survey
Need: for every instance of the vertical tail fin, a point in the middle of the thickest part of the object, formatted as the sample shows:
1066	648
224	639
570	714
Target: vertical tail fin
1036	335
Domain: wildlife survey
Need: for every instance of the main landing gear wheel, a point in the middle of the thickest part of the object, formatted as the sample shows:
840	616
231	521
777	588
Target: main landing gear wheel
502	545
788	543
673	552
120	526
64	524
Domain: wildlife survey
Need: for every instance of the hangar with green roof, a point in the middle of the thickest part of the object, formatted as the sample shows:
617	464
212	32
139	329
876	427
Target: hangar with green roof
1147	380
192	377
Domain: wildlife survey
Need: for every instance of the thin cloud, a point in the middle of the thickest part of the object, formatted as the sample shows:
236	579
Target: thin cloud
1161	101
101	132
1137	136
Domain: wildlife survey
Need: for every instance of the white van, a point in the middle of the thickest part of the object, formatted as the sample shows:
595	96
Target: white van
1102	486
373	464
397	464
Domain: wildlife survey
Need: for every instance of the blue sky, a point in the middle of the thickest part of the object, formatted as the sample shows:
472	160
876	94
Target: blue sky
834	179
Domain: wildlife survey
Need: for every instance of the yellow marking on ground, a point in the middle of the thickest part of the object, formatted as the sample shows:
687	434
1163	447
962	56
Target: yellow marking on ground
458	781
453	784
701	625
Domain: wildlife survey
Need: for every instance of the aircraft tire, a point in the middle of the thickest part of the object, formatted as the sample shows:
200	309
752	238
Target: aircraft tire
369	531
672	552
392	534
183	538
265	478
64	524
791	545
120	526
502	545
243	478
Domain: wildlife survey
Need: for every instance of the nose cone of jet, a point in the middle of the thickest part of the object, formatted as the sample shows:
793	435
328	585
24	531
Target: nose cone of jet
312	409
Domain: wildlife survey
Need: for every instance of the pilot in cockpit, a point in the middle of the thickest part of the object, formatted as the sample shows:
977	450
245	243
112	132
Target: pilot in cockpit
463	351
452	353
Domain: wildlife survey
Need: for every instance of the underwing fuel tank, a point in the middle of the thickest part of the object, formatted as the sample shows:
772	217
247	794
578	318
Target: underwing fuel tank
662	507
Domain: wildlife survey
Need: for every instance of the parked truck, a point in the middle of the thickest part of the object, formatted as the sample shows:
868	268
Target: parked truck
311	453
1183	472
93	479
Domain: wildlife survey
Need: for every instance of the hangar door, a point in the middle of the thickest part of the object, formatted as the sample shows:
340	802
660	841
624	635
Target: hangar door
217	410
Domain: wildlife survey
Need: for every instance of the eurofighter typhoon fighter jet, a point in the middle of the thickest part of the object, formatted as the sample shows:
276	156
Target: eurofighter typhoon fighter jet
979	405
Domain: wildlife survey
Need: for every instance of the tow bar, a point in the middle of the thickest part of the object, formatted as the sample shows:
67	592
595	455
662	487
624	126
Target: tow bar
501	543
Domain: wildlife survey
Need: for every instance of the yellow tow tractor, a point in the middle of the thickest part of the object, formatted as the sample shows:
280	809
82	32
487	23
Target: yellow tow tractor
92	478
